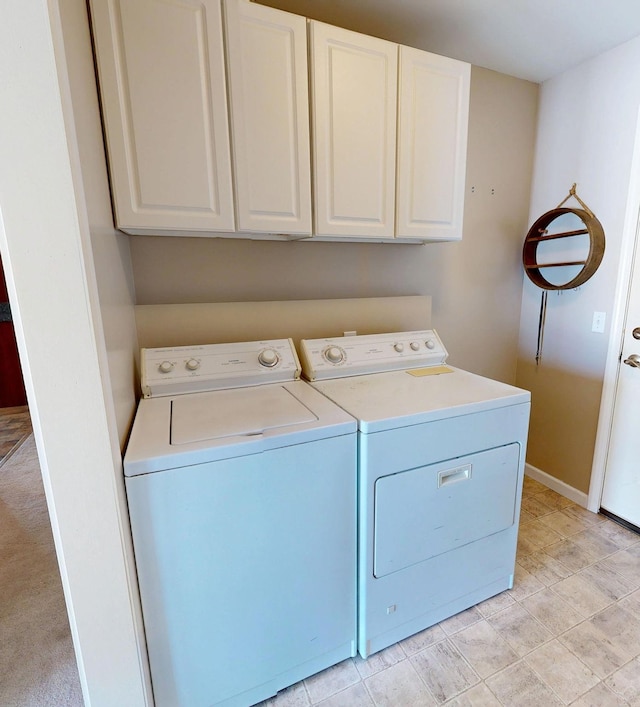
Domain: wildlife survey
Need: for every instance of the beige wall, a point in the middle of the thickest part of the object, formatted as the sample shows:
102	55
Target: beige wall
407	27
586	135
476	284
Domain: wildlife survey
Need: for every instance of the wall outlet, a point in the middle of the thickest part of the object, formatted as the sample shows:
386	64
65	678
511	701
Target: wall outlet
599	319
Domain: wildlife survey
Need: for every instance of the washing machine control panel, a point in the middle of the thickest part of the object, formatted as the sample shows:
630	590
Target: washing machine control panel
189	369
371	353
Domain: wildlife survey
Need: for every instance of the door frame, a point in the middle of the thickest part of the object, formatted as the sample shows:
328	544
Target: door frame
12	390
629	251
49	267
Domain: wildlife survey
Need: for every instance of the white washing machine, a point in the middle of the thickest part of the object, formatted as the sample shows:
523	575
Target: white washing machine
241	485
440	463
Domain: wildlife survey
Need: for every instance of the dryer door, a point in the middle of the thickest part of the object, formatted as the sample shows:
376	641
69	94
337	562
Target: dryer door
430	510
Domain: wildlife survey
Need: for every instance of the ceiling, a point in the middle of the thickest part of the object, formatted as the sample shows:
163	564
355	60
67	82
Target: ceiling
530	39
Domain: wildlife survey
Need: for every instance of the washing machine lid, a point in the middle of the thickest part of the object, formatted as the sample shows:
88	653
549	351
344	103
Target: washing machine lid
196	428
384	401
231	413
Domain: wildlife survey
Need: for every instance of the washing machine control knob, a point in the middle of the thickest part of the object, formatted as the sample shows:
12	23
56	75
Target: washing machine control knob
399	347
334	354
166	367
192	364
414	345
268	358
430	344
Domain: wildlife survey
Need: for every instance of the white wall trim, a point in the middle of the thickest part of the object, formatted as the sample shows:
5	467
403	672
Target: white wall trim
46	252
556	485
616	331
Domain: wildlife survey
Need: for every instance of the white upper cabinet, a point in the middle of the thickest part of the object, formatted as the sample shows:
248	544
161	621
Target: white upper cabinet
353	103
433	112
386	125
269	101
162	78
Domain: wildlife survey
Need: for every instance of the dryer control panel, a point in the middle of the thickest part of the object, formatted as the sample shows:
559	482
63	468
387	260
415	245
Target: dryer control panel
189	369
370	353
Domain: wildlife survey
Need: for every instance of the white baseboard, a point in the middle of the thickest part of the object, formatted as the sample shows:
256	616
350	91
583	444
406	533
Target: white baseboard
556	485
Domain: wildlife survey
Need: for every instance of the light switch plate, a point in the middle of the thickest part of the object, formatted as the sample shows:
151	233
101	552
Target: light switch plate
599	319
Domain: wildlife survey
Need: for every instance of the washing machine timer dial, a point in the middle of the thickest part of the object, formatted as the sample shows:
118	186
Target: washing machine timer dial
166	366
334	354
268	358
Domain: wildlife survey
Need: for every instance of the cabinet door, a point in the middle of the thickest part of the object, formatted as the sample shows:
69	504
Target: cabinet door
162	79
432	145
269	100
354	94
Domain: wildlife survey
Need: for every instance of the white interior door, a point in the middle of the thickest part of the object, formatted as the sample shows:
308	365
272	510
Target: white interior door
621	492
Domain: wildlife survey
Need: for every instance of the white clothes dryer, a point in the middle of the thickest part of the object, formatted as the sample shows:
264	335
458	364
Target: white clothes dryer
440	464
241	485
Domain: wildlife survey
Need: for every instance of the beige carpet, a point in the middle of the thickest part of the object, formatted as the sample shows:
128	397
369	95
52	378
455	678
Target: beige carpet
15	427
37	663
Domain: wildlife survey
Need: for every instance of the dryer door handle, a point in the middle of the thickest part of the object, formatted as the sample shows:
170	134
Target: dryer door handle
453	476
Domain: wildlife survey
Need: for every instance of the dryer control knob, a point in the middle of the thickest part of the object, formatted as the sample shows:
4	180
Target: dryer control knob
334	355
399	347
268	358
165	367
430	344
414	345
192	364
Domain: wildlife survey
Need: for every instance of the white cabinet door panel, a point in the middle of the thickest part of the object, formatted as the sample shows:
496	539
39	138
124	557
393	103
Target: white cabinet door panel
269	100
432	145
162	78
354	94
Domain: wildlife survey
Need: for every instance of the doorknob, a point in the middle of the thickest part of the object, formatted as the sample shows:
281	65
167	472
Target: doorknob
636	333
633	360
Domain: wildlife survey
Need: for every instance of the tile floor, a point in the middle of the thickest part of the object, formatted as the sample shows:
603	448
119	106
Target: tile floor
15	426
568	633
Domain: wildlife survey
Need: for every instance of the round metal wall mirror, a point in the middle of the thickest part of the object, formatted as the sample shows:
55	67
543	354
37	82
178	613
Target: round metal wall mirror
546	250
568	245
